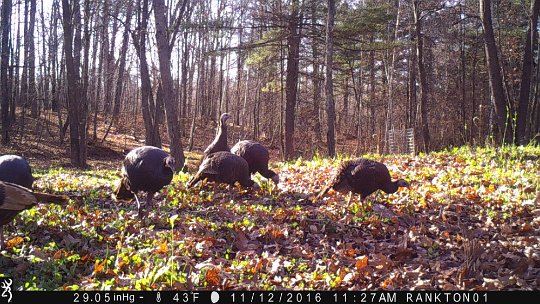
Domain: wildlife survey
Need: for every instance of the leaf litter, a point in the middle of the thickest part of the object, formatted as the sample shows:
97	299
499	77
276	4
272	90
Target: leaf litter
469	221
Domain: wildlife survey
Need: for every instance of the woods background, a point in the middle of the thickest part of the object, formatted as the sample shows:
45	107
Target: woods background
457	72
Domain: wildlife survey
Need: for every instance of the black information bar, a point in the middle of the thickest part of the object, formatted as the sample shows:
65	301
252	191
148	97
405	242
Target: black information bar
263	297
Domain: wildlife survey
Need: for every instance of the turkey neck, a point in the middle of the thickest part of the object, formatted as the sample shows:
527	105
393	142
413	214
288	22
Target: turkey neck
222	133
390	187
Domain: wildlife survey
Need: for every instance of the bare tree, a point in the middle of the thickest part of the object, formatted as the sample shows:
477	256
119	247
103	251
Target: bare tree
291	83
424	87
525	89
139	36
316	78
411	94
121	69
165	37
71	17
495	74
4	62
329	84
32	60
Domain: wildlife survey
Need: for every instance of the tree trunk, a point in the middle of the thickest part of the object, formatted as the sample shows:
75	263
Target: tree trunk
498	98
32	94
239	72
389	121
535	128
424	88
372	98
185	72
329	83
44	68
316	74
291	83
345	117
359	108
525	90
4	63
152	136
120	78
110	46
23	90
96	86
164	47
411	96
53	61
535	115
14	74
72	44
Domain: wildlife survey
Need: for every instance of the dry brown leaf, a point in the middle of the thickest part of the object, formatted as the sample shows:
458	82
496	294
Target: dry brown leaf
98	267
212	276
241	241
14	242
163	248
361	262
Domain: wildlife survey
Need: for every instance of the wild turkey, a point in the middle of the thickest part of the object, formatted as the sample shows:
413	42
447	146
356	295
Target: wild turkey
15	169
146	169
15	198
362	176
257	157
224	167
220	141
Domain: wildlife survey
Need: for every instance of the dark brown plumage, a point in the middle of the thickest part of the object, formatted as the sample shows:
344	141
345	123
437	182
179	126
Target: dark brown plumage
15	198
224	167
257	157
362	176
220	141
146	169
15	169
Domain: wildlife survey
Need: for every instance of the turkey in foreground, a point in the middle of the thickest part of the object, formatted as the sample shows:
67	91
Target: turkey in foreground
257	157
220	141
362	176
15	169
15	198
224	167
146	169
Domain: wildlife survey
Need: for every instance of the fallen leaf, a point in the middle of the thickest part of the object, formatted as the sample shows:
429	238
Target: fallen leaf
361	262
212	276
14	242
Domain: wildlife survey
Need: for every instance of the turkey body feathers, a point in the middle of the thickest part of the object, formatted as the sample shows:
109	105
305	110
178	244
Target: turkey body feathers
144	169
257	157
15	169
362	176
223	167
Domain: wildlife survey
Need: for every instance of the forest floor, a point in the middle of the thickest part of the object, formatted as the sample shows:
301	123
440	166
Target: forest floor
468	221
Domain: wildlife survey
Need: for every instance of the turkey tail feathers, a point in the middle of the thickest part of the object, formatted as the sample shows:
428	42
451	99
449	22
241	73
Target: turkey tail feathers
15	197
51	198
121	191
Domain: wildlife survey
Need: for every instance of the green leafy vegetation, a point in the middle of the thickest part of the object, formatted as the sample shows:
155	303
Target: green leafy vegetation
210	237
